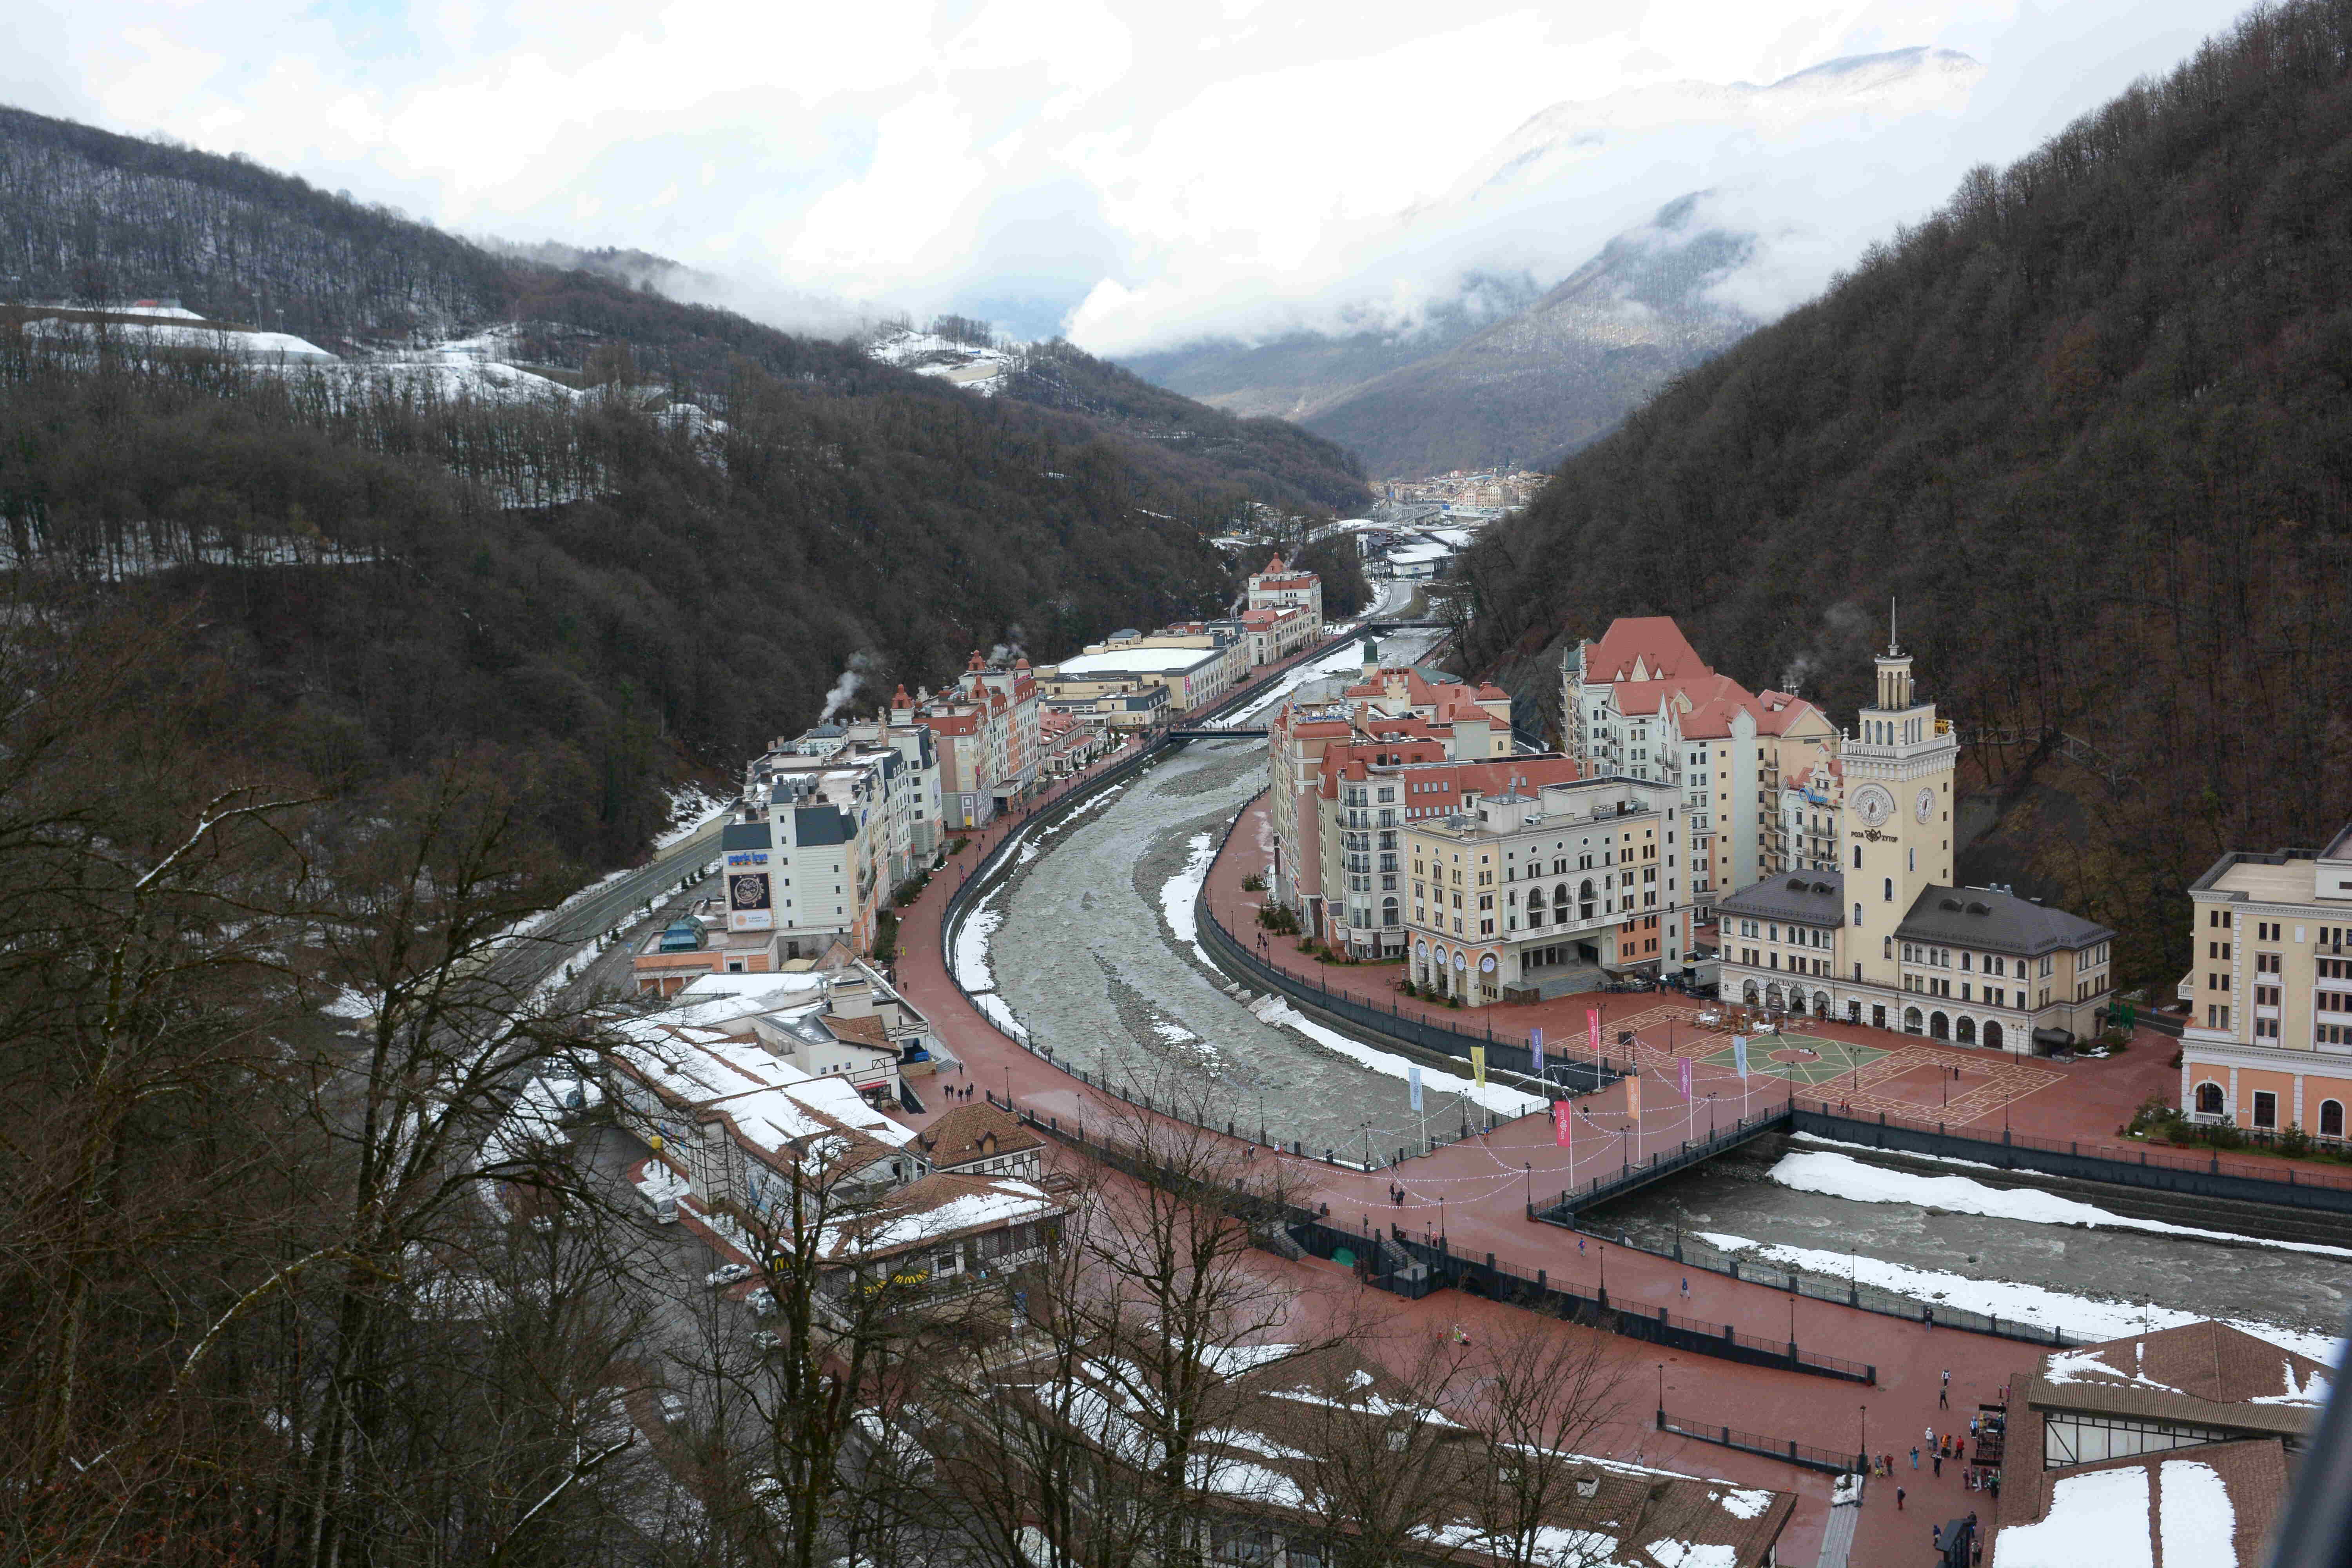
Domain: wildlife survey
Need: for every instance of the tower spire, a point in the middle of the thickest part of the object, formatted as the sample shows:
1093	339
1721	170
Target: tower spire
1893	644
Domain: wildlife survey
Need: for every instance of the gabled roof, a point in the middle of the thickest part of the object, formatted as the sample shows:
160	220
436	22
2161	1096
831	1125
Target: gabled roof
2003	922
1644	647
957	1137
2206	1361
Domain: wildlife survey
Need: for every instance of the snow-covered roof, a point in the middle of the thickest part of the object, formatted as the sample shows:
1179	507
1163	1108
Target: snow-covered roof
1138	661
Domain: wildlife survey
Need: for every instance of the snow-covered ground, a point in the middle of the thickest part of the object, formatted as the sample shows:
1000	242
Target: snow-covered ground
1842	1176
197	334
2013	1299
1497	1098
1179	895
975	368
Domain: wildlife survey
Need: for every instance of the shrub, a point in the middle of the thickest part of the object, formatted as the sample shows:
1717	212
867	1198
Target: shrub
2294	1142
957	847
1277	919
1253	883
885	937
1408	988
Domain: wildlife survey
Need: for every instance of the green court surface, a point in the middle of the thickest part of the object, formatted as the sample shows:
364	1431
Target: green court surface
1800	1058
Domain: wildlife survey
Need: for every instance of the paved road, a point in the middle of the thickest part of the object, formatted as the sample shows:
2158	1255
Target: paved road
582	921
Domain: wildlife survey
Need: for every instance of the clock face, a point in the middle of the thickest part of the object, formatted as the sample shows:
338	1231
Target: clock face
1873	805
1924	805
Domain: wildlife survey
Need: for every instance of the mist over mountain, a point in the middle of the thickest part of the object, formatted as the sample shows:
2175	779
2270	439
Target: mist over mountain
1485	327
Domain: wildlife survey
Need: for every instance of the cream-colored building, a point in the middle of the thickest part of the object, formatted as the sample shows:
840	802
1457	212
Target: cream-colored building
1542	893
1640	703
1887	938
2269	1040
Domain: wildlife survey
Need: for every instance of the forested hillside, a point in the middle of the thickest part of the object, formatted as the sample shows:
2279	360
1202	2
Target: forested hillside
90	217
2090	423
652	558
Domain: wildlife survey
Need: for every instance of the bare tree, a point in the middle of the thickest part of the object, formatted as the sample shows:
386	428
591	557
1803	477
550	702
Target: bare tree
1539	1398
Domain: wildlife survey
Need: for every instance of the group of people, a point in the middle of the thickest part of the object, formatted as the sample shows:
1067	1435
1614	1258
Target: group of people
1978	1477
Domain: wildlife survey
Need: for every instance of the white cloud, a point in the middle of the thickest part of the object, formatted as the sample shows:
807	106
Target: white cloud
1147	169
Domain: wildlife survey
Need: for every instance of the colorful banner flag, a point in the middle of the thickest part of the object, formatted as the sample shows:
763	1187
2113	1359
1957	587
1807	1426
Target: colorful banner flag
1740	1054
1478	1065
1535	1047
1634	1097
1562	1114
1413	1078
1592	1022
1683	1064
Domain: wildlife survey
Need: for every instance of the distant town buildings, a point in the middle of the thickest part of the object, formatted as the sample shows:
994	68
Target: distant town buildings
2268	1044
1281	613
1485	489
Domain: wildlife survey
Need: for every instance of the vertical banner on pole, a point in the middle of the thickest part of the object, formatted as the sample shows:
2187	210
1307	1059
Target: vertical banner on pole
1561	1125
1535	1046
1634	1097
1478	1065
1684	1063
1740	1054
1592	1023
1412	1080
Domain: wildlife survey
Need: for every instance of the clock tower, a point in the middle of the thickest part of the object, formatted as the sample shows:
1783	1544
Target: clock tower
1898	816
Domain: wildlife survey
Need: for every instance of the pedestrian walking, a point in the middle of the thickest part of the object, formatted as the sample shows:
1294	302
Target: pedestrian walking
1685	1286
1915	1455
1899	1500
1944	1398
1938	1462
1931	1436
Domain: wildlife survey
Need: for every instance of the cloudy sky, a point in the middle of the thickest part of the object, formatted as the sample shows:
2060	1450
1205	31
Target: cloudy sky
1132	170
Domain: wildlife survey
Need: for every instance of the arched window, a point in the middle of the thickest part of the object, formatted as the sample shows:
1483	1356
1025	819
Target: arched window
1389	913
1886	947
2208	1098
1966	1032
1748	995
2331	1118
1991	1036
1939	1027
1890	889
1911	1021
1857	856
1821	1004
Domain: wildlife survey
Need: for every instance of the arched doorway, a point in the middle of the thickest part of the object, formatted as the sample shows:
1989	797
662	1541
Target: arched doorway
1772	996
2208	1098
1965	1031
1821	1003
1991	1036
1911	1022
2331	1118
1939	1026
1749	994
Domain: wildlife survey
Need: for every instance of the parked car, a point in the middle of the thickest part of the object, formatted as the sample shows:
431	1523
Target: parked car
673	1406
727	1274
762	1301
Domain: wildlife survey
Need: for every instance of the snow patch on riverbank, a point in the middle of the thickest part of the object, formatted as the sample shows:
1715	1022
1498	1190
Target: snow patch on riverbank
1841	1177
1180	895
970	958
1495	1097
2013	1299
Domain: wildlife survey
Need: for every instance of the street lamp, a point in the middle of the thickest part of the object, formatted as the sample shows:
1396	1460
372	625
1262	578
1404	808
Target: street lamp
1865	1454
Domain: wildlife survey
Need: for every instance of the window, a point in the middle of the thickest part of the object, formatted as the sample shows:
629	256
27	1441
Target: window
2265	1107
2208	1098
1890	889
2331	1118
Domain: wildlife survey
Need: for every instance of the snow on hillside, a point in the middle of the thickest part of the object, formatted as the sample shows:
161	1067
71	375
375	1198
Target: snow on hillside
186	331
974	367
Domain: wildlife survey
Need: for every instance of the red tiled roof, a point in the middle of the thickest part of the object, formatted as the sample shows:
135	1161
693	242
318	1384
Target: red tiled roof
1654	642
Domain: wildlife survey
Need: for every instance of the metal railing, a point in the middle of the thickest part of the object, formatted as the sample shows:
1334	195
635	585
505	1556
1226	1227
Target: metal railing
1790	1449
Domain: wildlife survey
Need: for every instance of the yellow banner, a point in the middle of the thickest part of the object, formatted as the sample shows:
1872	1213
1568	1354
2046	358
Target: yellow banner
1478	1065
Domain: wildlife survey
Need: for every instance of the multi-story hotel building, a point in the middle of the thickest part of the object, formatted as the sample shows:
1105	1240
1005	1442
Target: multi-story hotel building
2268	1044
1640	703
1886	938
1282	587
986	733
1336	856
1520	895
